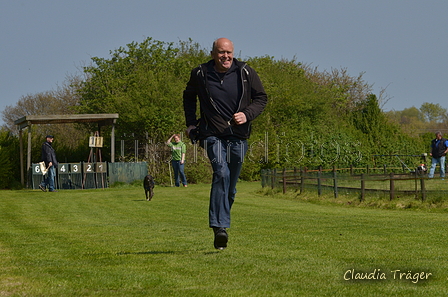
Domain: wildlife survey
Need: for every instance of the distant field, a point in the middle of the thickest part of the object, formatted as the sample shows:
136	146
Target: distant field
114	243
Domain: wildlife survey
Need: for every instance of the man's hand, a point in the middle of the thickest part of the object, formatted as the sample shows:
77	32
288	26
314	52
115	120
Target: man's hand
239	118
191	127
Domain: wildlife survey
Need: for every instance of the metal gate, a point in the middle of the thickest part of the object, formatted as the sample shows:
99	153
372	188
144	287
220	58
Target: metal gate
127	172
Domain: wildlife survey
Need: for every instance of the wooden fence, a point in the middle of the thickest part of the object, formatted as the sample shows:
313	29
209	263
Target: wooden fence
361	180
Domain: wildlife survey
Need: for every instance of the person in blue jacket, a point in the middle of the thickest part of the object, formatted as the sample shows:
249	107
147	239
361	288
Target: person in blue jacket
439	148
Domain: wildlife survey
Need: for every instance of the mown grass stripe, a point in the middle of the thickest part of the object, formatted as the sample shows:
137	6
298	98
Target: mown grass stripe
114	243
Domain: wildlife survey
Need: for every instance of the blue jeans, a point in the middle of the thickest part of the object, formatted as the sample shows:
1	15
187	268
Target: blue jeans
179	171
49	180
226	158
434	162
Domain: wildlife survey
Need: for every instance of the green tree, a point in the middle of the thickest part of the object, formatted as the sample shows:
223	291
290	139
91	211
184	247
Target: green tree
143	83
433	112
411	120
370	120
9	160
382	136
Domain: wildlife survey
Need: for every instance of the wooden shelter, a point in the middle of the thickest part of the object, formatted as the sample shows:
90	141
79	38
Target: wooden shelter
27	121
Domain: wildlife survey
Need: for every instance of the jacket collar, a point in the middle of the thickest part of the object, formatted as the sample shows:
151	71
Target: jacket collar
236	63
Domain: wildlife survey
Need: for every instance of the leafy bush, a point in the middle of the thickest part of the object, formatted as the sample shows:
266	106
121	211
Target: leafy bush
9	161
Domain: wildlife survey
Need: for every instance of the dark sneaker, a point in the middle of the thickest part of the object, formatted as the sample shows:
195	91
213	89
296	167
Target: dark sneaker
42	188
221	238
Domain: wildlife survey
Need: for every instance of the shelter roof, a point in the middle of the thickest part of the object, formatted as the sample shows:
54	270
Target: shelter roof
102	118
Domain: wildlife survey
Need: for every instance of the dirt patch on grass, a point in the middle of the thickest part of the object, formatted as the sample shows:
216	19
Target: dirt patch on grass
10	286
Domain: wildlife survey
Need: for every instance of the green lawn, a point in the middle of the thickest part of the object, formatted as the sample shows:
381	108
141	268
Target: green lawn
114	243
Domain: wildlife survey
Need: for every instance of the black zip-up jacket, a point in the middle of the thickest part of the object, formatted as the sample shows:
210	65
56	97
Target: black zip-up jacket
49	155
211	122
439	149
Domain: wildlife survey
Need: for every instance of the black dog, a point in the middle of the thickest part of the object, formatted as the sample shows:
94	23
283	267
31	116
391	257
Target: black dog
148	184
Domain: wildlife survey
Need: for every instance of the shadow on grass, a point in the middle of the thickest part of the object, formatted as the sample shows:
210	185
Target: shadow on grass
164	253
148	253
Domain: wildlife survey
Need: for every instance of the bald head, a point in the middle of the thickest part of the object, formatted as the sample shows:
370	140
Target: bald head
220	42
222	54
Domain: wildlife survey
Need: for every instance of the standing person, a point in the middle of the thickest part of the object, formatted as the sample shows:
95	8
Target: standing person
178	150
230	95
439	148
49	157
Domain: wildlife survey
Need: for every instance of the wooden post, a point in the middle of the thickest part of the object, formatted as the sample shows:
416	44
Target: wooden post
112	142
384	168
28	159
335	183
22	174
351	169
302	180
422	187
295	176
319	182
392	186
416	184
284	180
363	188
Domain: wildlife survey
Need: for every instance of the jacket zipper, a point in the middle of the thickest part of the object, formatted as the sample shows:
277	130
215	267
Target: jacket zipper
213	102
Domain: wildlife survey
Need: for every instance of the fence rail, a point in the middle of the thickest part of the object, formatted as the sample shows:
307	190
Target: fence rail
361	180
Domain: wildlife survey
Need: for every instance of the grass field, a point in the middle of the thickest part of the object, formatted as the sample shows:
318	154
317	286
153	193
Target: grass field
114	243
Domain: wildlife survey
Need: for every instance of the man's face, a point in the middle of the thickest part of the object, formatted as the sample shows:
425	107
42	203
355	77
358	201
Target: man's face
223	54
438	136
176	138
50	140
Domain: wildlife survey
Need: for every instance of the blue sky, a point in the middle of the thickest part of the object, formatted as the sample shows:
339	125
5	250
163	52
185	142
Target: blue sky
400	46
